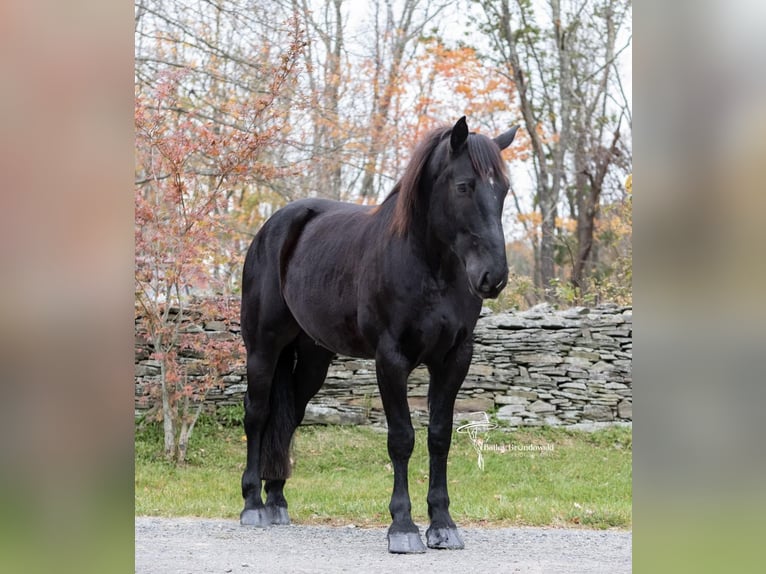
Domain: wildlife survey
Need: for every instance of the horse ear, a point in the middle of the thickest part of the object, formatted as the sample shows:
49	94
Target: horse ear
505	139
459	135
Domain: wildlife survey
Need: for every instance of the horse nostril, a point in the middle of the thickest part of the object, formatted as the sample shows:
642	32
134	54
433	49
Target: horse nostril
484	285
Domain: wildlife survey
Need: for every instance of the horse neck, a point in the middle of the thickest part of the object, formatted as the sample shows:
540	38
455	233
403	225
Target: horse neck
419	237
437	255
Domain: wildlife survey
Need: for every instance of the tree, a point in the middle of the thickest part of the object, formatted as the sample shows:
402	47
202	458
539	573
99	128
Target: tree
326	76
191	157
562	66
396	35
598	145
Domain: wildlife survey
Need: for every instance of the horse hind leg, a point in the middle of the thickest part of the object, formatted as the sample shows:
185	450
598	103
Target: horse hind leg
309	374
268	373
269	331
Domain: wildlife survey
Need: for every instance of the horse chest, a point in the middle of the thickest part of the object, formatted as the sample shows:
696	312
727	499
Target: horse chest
443	331
427	321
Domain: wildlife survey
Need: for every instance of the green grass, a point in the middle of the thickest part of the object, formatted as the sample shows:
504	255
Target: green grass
342	475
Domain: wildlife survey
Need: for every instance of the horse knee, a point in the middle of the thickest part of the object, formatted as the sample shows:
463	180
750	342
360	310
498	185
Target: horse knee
401	442
439	445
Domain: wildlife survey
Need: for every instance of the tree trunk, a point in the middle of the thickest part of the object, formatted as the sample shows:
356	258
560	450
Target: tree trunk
333	87
590	152
402	33
167	413
187	426
586	220
585	214
547	241
590	185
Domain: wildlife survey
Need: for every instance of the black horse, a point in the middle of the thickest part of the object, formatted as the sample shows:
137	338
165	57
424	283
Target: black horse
401	283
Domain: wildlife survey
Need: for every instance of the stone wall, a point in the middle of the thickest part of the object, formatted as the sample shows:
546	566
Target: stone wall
537	367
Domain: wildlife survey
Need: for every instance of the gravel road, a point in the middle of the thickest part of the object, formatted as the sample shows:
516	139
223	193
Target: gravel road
196	546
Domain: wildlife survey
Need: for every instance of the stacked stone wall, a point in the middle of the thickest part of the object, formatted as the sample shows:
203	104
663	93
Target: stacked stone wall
531	368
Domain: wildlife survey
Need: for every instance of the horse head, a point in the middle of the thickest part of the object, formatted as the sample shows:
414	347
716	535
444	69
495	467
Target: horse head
469	185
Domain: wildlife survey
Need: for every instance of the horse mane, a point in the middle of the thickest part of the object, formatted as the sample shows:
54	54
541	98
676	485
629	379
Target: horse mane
406	189
485	159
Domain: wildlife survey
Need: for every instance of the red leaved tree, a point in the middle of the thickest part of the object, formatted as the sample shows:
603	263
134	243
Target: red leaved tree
188	159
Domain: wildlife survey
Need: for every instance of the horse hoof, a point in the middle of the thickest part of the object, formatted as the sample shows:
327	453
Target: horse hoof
444	539
259	517
405	543
279	515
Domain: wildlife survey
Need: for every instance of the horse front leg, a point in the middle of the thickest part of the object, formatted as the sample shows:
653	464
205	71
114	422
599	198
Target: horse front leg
392	371
443	387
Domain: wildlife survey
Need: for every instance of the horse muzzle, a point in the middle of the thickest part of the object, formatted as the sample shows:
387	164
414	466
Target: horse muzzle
490	287
488	283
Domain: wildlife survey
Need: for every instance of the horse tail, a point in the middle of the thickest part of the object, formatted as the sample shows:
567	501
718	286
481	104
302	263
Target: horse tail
278	431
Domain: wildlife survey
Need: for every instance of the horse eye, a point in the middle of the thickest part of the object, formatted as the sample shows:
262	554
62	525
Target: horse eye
464	187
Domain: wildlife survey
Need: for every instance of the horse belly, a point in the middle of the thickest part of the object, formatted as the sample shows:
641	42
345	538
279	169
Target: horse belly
335	331
341	340
321	295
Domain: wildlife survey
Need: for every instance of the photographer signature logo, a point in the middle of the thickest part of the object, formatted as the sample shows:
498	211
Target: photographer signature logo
477	433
